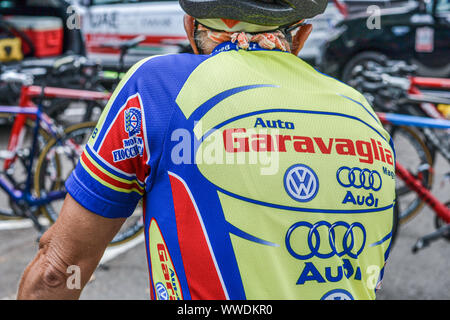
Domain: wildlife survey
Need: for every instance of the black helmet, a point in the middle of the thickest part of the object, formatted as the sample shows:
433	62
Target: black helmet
259	12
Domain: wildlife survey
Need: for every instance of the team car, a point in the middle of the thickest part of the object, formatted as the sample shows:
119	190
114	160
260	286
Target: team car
161	22
417	33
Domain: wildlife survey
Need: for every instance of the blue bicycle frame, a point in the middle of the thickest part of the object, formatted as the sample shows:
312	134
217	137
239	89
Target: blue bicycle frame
414	121
25	196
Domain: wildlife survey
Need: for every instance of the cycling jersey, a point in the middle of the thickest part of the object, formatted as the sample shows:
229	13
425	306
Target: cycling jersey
261	177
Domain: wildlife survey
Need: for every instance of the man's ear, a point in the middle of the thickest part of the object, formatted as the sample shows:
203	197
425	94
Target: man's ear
300	38
189	27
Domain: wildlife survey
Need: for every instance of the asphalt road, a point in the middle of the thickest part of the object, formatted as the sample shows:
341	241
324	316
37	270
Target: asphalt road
425	275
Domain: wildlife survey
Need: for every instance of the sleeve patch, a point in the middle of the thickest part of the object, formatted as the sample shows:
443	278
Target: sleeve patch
122	143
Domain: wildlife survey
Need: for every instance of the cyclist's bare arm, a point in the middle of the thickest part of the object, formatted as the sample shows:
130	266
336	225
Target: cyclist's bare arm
78	238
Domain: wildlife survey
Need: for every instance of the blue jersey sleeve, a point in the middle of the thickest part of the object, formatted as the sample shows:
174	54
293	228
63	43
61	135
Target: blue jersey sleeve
111	175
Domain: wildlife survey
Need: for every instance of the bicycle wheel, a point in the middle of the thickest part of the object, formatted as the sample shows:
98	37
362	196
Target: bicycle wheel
67	112
395	223
55	164
437	140
17	171
415	156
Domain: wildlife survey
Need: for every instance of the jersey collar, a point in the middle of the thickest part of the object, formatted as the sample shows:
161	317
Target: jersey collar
228	46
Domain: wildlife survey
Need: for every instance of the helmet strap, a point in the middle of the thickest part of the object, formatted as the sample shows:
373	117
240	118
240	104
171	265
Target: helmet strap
190	27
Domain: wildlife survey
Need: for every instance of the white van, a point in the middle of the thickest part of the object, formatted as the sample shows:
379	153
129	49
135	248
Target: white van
161	22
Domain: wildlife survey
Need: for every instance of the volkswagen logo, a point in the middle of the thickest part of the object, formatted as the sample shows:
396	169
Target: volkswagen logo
350	243
301	183
359	178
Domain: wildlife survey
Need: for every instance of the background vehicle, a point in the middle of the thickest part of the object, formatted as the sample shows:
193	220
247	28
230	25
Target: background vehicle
72	38
40	46
161	22
354	6
415	32
106	21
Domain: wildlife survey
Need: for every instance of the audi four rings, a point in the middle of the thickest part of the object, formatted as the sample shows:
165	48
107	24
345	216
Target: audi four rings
314	247
359	178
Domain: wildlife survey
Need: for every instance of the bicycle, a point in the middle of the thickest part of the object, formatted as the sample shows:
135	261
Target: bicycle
400	93
51	155
442	210
23	201
394	88
78	72
70	71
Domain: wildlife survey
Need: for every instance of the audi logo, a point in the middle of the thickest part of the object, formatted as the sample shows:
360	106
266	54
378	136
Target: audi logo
359	178
352	248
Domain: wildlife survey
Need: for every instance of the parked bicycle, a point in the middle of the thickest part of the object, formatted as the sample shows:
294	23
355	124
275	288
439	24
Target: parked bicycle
42	153
415	183
72	72
393	88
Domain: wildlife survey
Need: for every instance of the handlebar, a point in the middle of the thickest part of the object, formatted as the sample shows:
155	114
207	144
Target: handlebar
373	87
418	98
124	45
17	77
372	82
57	67
392	67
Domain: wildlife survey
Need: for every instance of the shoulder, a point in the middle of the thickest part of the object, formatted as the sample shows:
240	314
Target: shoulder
170	65
338	86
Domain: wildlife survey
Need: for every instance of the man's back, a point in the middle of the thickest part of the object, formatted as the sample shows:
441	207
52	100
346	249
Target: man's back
262	178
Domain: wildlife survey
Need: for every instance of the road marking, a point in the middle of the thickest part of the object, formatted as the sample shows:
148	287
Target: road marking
110	253
21	224
113	252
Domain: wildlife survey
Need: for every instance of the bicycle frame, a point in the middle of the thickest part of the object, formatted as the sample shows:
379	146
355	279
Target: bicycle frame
414	92
26	100
416	185
438	83
25	196
28	109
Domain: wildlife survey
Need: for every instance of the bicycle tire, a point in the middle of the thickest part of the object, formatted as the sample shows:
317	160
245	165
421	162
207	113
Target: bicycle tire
43	137
408	208
58	108
395	223
443	145
51	176
361	59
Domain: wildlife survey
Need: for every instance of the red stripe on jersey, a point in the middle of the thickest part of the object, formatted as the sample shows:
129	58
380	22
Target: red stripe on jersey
108	179
201	274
